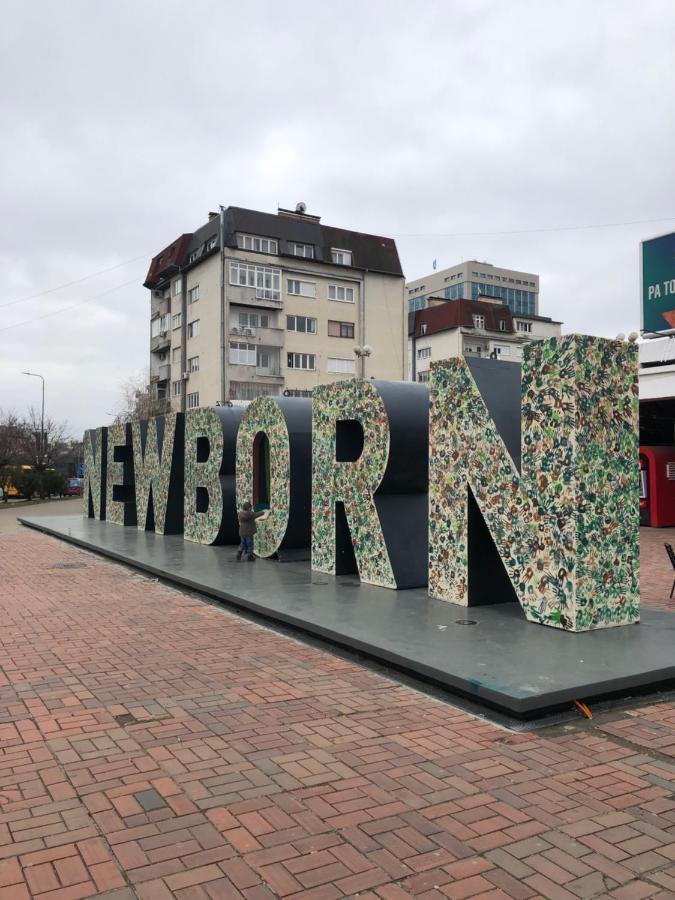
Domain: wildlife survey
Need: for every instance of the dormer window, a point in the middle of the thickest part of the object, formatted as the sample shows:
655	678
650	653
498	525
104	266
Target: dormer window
257	244
341	257
304	250
502	324
478	321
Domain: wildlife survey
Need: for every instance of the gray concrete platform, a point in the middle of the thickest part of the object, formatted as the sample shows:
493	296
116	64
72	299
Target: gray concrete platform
502	661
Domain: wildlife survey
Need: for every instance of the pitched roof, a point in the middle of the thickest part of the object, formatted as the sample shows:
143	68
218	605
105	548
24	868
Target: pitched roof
459	314
369	251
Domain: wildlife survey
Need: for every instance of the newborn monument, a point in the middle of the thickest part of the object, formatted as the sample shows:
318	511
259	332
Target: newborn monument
512	490
564	522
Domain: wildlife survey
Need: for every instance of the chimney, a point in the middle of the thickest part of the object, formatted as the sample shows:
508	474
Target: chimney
213	215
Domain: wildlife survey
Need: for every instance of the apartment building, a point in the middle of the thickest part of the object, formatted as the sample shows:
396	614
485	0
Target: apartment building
472	280
486	328
253	303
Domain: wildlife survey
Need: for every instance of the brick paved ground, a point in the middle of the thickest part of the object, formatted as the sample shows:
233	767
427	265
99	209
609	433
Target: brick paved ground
154	746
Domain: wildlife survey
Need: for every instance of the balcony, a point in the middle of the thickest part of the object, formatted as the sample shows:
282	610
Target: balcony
249	296
160	306
271	337
160	342
269	371
164	372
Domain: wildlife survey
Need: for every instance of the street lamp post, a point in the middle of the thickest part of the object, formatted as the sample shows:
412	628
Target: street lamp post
361	353
43	449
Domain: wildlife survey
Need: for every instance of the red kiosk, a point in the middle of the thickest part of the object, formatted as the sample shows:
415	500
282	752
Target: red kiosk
657	486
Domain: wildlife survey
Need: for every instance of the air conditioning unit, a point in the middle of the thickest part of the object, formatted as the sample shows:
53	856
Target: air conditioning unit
163	333
235	329
249	332
186	375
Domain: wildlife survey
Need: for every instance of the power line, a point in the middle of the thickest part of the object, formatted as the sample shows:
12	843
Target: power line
56	312
71	283
538	230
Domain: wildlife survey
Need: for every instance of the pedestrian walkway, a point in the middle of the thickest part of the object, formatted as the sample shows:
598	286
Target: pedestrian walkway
153	745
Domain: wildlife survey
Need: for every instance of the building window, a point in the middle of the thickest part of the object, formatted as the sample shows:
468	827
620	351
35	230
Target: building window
339	292
303	324
193	294
341	257
212	243
193	364
301	361
423	328
478	321
502	350
502	324
423	376
242	354
266	281
424	352
341	366
257	244
175	355
454	292
524	326
341	329
192	400
177	320
159	325
305	250
301	288
254	320
193	328
177	388
176	287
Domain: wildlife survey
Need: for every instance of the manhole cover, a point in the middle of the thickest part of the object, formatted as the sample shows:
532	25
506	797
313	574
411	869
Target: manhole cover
318	582
68	566
466	622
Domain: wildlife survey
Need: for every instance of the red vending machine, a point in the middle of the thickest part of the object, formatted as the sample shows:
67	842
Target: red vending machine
657	486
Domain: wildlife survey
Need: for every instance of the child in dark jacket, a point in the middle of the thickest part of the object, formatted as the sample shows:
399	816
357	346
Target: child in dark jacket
247	528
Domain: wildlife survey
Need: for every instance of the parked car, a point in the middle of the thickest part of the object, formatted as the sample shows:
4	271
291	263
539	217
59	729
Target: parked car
73	487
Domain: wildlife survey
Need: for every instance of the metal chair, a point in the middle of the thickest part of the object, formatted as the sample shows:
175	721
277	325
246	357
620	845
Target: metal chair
671	557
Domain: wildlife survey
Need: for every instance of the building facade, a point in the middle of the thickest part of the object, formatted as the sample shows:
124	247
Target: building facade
257	304
485	327
472	280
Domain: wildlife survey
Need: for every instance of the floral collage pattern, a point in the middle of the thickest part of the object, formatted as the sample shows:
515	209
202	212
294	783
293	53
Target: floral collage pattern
353	483
203	527
565	532
264	415
152	470
93	487
118	434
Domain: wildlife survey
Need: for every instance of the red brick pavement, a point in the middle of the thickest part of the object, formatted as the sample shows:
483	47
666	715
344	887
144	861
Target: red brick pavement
155	746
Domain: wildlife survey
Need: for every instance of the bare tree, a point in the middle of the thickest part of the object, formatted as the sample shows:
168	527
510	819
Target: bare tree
10	447
139	399
41	447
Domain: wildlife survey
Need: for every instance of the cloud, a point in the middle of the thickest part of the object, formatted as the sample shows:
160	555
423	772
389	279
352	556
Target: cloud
124	125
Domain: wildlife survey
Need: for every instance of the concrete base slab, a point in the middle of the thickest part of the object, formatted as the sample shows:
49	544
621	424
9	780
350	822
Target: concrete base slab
487	654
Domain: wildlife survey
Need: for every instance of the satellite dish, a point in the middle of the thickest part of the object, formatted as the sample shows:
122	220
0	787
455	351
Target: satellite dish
301	208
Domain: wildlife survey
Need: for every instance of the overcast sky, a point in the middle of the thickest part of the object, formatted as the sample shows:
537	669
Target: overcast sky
123	124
